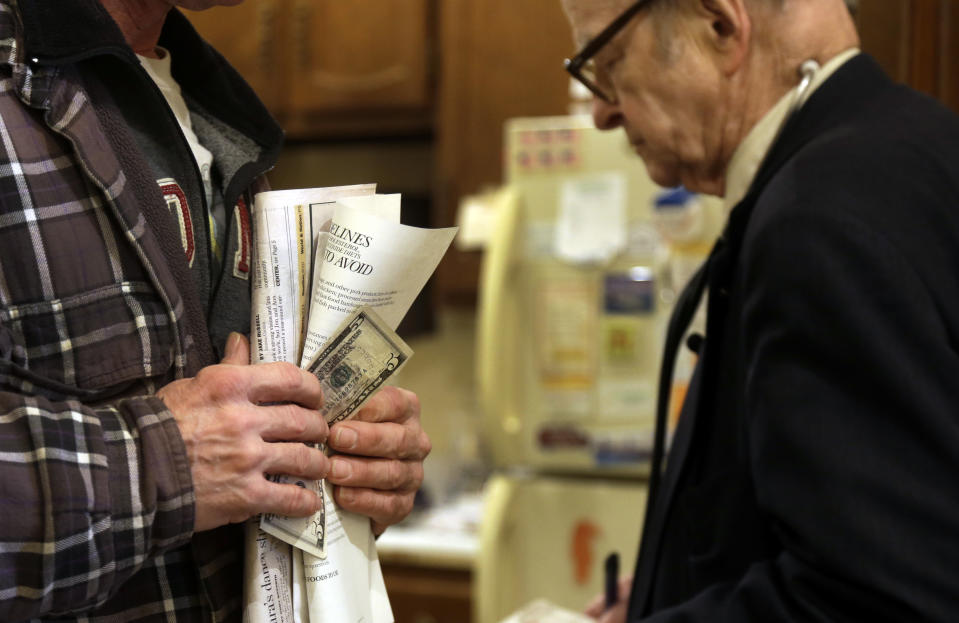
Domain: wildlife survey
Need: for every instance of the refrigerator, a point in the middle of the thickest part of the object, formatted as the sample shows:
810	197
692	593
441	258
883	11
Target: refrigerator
574	298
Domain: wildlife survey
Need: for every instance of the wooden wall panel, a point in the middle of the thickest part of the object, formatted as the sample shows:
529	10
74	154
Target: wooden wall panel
499	59
884	30
362	54
251	36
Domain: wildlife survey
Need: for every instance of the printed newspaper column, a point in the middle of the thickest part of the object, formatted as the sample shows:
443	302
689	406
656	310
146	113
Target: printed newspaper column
285	226
386	207
268	561
267	569
369	261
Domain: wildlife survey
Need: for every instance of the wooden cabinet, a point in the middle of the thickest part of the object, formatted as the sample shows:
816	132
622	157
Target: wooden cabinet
247	35
327	68
420	594
499	59
360	67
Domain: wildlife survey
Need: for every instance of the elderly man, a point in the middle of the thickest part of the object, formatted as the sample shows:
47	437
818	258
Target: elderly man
812	475
133	433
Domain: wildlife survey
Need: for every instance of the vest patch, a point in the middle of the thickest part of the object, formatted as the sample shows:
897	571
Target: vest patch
177	202
241	259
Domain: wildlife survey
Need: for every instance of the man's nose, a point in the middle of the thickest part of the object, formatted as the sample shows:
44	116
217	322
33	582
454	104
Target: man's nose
606	116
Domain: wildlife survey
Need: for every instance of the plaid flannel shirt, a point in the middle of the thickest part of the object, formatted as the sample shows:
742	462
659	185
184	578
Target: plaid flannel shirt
96	494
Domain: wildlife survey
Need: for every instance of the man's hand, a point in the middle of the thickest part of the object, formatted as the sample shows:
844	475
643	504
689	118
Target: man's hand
617	612
240	422
381	466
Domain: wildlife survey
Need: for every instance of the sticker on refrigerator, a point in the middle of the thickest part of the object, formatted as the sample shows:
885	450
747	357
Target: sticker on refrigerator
565	324
562	437
623	448
632	398
567	402
592	218
630	292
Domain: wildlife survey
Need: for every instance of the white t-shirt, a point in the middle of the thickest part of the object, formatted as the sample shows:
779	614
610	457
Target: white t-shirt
159	70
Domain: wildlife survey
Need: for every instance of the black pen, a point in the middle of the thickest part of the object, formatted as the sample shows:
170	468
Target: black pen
612	580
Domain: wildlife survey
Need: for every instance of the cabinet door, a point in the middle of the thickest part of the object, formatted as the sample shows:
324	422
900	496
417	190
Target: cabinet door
359	57
501	59
428	594
250	37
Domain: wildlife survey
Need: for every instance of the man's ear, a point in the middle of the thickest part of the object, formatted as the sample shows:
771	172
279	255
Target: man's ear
728	32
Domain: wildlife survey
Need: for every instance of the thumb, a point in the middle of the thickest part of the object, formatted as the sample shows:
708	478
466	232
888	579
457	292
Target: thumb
237	350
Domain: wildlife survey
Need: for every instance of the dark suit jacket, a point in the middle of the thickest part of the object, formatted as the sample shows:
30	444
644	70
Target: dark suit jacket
814	474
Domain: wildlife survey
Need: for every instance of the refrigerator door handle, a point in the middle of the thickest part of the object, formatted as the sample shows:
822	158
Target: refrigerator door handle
490	604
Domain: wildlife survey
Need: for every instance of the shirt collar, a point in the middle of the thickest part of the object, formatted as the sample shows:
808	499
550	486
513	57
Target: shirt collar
749	155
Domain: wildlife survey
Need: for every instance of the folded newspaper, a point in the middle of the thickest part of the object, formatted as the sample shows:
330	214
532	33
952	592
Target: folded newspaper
334	274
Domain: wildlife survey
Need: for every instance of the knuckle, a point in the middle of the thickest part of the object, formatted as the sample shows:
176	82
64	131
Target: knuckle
398	507
250	454
289	377
295	421
291	500
397	475
238	422
230	382
412	403
426	446
215	382
406	505
416	444
416	476
301	460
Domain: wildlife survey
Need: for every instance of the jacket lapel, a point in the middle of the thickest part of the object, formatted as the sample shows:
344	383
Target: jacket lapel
641	601
102	143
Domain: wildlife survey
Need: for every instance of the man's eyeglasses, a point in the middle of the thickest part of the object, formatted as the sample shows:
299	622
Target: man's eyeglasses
583	68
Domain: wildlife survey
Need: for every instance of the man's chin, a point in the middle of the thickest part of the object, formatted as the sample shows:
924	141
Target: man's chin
666	177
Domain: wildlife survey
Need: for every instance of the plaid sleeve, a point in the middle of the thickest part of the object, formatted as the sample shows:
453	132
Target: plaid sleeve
86	497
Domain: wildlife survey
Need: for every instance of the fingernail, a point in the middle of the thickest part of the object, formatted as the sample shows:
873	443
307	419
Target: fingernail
345	439
340	469
232	343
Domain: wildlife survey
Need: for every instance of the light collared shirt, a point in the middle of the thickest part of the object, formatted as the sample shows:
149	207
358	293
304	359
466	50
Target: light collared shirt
747	158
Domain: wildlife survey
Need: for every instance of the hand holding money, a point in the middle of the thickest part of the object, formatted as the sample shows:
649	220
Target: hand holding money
352	366
381	465
239	422
321	255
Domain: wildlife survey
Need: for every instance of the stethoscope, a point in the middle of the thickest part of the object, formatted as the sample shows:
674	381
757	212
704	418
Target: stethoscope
807	71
